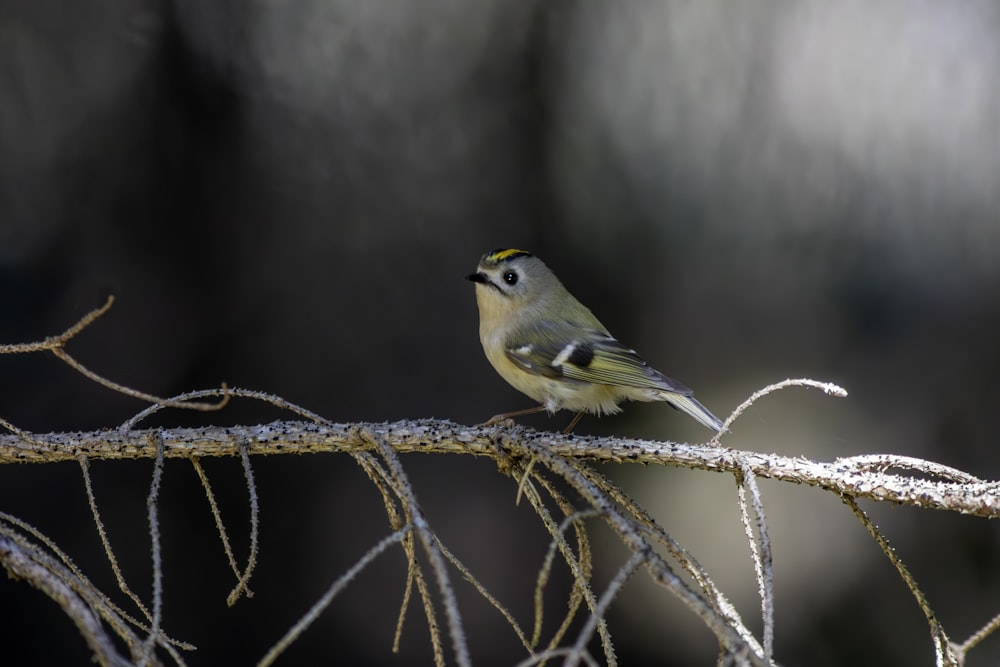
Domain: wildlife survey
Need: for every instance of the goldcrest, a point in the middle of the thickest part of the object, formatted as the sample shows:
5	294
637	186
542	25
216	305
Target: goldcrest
550	347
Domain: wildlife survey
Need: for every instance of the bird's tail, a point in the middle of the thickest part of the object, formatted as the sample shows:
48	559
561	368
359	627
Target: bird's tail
694	409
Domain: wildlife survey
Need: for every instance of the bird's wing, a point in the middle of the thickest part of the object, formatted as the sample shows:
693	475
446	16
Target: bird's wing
567	350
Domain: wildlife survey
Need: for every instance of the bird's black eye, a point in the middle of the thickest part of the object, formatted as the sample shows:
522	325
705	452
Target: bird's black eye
510	278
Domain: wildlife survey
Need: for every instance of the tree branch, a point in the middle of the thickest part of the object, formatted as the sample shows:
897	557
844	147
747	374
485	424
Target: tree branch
26	553
844	476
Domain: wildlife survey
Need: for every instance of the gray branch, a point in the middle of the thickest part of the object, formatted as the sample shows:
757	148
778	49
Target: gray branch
867	477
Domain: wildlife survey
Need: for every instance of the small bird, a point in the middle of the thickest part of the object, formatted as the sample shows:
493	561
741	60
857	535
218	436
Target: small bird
550	347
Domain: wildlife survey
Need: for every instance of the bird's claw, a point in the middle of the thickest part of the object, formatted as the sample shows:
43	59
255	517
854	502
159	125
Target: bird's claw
500	420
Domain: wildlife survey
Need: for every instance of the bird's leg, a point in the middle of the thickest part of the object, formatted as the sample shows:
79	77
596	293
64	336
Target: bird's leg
573	423
496	419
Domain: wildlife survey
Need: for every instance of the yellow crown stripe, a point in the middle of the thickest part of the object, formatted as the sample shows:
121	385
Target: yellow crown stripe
501	255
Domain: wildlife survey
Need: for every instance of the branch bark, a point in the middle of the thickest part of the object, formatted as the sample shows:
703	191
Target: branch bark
864	477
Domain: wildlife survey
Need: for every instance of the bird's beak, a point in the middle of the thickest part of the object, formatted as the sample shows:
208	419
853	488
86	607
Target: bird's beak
477	278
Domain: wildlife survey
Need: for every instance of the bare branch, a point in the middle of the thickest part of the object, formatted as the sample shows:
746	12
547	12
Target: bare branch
376	448
943	648
444	437
296	630
579	567
617	583
220	527
762	558
482	590
25	566
978	636
152	509
53	342
427	538
106	543
56	345
828	388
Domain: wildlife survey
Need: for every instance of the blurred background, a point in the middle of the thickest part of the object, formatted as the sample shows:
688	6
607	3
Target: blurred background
286	196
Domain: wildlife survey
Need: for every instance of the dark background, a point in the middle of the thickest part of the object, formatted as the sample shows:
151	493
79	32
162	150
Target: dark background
286	196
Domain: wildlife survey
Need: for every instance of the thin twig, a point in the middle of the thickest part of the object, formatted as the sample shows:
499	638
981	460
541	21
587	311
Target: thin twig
624	573
310	616
61	565
188	398
729	637
762	558
426	535
828	388
581	579
414	574
885	462
56	345
53	342
134	393
23	566
244	578
220	527
646	523
580	567
20	433
152	507
106	543
979	636
482	590
551	654
942	645
641	521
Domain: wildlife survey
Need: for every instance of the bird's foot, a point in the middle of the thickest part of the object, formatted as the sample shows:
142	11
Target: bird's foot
500	420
